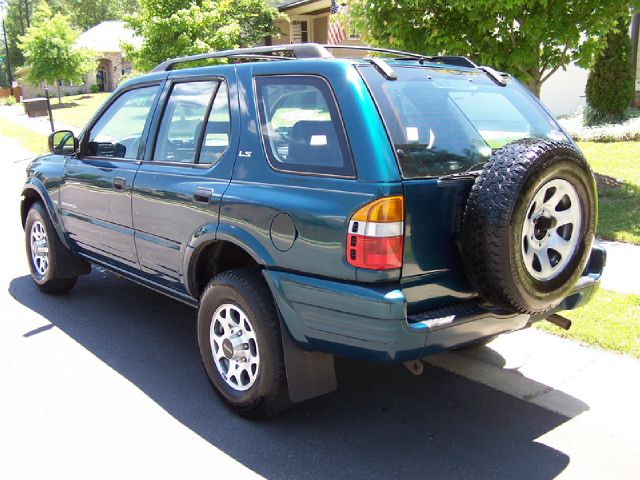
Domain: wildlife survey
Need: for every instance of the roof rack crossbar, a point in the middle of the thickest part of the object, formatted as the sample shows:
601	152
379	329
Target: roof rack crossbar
374	49
298	51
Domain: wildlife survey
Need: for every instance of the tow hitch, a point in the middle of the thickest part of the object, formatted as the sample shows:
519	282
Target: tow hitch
559	321
415	366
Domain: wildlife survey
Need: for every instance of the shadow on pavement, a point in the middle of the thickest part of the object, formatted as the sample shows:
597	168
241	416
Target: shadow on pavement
382	422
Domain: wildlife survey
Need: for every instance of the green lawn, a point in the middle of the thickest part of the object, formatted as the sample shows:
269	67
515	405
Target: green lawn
610	321
76	110
619	216
29	140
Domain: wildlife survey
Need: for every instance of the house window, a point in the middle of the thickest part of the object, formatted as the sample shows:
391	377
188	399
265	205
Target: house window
299	31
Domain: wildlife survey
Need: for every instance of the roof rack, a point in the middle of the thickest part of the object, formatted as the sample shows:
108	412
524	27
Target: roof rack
297	51
456	60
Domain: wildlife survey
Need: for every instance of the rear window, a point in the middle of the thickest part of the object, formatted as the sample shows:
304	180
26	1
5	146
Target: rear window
444	121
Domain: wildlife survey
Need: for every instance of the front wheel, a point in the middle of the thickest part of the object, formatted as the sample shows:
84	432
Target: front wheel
241	345
42	243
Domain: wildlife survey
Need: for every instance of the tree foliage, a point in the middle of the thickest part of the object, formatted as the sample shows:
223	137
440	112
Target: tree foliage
531	39
49	51
610	85
85	14
174	28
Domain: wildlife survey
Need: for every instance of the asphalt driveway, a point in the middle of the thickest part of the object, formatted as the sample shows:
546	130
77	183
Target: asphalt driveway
106	383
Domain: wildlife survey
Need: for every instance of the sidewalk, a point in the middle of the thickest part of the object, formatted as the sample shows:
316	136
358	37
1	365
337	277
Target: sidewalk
622	272
597	391
40	125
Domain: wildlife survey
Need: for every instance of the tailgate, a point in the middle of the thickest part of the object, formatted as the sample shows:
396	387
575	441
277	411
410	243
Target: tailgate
433	273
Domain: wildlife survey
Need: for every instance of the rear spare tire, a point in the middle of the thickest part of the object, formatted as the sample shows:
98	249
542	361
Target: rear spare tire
529	224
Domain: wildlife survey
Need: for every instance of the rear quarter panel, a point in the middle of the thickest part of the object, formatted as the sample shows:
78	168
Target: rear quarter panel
319	206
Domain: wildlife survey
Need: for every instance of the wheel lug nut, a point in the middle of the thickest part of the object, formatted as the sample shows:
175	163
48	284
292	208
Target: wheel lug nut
245	346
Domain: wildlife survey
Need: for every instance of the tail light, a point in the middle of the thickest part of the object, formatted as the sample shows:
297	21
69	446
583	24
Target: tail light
376	233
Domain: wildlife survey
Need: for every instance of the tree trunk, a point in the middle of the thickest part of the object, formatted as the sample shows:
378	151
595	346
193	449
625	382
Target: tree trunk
26	13
535	85
59	94
535	80
21	17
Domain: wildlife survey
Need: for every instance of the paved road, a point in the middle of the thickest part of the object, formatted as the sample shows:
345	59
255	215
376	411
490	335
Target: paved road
105	383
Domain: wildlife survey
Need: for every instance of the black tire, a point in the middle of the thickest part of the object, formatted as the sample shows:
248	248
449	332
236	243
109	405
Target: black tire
247	290
48	280
502	200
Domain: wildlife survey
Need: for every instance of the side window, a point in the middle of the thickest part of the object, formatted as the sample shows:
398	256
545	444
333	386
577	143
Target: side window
301	126
118	132
179	132
215	138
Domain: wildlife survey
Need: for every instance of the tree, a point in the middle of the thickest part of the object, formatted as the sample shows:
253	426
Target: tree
17	20
610	85
50	52
531	39
174	28
88	13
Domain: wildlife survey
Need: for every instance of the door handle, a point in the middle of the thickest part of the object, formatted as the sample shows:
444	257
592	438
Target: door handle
203	195
119	183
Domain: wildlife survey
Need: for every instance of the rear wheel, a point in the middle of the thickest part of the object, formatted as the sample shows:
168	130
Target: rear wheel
241	346
529	224
42	243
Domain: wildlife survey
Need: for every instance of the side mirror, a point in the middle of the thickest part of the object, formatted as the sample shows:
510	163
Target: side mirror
63	142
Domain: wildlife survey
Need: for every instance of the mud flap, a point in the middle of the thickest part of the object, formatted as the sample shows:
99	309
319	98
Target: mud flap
67	264
309	374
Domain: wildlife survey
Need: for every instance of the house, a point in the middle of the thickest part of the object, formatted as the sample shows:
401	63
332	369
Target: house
309	22
105	41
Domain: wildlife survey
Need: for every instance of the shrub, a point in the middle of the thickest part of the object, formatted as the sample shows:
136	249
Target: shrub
10	101
577	127
94	88
610	84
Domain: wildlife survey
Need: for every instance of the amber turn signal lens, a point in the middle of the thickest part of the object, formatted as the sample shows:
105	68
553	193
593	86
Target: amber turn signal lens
384	210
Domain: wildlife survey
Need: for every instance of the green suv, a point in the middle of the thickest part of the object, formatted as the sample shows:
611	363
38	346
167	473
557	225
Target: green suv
381	208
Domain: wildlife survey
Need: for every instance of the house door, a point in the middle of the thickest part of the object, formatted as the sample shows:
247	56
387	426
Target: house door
100	80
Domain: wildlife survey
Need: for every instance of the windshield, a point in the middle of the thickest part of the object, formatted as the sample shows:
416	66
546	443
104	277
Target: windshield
444	121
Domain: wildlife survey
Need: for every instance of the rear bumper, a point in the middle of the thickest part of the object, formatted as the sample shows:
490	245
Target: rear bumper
371	323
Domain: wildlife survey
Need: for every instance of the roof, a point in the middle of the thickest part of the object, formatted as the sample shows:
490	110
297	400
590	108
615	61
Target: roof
290	4
107	36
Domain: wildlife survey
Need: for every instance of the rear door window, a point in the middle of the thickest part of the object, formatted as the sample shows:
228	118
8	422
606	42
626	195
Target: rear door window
301	126
182	121
215	137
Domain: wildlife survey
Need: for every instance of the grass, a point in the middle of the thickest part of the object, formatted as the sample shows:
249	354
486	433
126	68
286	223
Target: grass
29	140
619	215
610	321
76	110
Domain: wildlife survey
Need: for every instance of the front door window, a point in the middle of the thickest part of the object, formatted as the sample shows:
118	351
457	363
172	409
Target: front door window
119	131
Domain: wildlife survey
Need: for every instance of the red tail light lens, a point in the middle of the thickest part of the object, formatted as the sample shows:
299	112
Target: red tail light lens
376	234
